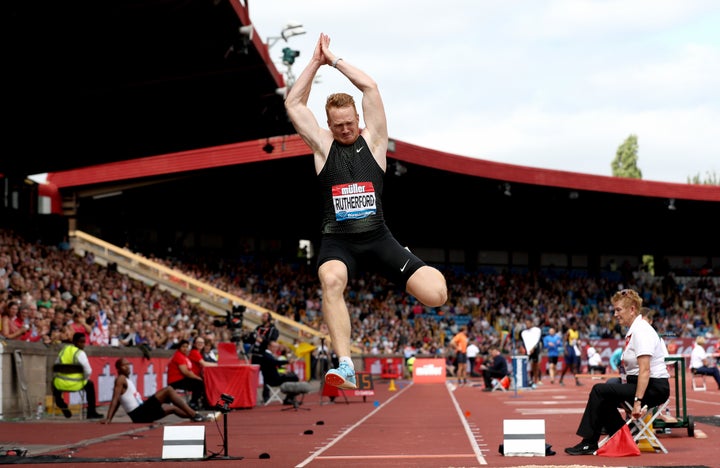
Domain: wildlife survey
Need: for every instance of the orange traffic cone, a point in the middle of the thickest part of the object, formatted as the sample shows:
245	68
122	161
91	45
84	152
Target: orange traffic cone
392	388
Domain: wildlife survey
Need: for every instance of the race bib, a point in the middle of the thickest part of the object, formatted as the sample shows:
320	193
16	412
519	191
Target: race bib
354	201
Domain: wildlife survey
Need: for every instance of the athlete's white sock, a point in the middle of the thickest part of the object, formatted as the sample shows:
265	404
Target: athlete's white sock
347	360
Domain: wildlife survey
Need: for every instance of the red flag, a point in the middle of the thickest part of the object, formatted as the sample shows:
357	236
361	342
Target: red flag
505	382
620	444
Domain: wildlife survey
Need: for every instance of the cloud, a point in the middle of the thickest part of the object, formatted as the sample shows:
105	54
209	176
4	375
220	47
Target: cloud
552	84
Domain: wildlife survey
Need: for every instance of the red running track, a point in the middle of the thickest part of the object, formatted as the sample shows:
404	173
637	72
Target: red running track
417	425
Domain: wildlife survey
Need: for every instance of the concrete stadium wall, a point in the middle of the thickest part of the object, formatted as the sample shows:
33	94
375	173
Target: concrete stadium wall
23	386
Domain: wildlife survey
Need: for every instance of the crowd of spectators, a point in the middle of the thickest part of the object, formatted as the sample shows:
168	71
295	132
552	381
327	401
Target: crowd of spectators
47	293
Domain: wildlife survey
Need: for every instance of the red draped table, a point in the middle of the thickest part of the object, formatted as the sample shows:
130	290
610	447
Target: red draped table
239	381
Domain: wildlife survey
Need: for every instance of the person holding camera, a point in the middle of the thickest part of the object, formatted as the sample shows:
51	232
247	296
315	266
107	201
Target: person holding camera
164	402
264	334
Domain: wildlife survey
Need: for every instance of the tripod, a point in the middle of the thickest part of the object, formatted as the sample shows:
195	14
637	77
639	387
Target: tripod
223	407
241	352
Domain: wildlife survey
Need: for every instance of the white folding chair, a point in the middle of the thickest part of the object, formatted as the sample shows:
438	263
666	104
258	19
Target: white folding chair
497	384
645	430
642	428
274	395
697	387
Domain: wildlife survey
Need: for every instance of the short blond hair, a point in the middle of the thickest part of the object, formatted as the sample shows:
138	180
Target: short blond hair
338	100
628	297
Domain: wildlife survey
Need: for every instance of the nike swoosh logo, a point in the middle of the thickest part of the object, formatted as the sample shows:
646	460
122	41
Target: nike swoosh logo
359	149
403	267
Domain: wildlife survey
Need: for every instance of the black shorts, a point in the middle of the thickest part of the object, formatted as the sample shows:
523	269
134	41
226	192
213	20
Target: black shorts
372	250
151	410
553	359
535	355
461	358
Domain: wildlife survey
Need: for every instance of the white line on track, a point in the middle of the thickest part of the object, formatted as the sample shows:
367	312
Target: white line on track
347	431
468	431
471	437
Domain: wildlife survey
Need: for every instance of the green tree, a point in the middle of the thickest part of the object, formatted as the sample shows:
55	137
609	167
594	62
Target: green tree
626	158
711	178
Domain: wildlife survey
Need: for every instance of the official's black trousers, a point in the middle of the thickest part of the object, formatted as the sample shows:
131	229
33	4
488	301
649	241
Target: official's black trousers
605	399
89	396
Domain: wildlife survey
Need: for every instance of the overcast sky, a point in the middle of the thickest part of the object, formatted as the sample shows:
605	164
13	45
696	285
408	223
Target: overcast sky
550	84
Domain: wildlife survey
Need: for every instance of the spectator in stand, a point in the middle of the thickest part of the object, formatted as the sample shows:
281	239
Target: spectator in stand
98	322
58	327
78	324
39	327
142	337
553	343
13	327
209	353
700	361
127	336
196	356
496	368
181	375
77	281
25	316
45	299
113	335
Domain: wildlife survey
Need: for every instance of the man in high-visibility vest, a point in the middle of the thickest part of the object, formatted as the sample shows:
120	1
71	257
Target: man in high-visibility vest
410	363
74	354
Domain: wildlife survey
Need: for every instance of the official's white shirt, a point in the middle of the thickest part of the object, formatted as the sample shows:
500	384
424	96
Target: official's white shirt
642	340
697	356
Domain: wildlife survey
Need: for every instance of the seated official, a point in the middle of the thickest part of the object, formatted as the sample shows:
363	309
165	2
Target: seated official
497	368
595	365
647	378
74	354
269	366
700	361
164	402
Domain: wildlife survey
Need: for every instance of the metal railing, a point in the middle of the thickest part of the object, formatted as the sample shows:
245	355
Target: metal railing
215	301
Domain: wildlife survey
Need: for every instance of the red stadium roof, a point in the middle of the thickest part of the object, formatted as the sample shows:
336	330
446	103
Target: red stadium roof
292	146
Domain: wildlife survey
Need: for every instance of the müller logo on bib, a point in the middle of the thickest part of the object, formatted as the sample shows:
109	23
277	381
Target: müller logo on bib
354	201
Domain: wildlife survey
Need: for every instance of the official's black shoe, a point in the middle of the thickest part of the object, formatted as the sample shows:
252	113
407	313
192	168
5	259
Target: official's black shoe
487	389
67	413
583	448
95	415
